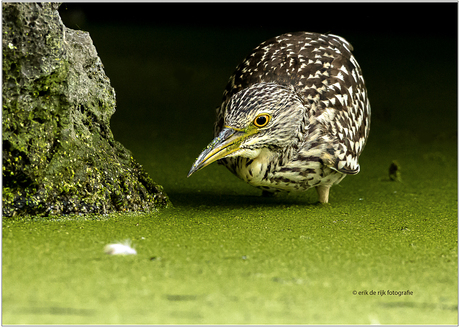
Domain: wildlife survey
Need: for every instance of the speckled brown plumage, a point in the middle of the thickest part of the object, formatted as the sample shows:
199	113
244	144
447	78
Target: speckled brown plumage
310	89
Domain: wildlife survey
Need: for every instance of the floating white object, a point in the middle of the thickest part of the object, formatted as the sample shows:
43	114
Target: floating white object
119	248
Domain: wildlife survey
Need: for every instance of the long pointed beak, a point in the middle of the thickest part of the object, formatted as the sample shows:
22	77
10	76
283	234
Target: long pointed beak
227	142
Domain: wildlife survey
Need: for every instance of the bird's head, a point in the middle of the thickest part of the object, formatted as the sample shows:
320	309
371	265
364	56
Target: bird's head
265	115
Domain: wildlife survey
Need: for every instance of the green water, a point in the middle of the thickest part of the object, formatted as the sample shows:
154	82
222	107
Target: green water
223	254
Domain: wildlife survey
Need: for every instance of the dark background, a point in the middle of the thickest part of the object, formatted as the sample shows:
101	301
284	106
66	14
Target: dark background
370	19
169	64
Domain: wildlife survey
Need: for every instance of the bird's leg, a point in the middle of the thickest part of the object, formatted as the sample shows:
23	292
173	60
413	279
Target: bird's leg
323	193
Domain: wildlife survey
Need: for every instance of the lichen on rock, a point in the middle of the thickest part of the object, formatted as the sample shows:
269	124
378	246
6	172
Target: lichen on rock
59	154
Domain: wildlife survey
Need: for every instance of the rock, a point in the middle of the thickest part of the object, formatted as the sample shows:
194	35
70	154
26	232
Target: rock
59	154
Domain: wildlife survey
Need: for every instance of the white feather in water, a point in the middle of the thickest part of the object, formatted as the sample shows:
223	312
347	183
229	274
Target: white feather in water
123	248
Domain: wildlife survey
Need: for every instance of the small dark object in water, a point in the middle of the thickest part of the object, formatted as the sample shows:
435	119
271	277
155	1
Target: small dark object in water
395	171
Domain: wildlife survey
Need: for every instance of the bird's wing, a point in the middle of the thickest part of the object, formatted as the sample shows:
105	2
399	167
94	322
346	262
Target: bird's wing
344	108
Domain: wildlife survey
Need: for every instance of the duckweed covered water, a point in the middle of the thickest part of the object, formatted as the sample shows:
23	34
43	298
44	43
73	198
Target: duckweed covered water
381	252
251	260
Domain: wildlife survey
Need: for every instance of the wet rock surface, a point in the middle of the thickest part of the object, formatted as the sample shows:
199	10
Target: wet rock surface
59	154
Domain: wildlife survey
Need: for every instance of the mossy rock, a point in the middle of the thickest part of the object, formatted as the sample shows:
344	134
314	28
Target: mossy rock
59	154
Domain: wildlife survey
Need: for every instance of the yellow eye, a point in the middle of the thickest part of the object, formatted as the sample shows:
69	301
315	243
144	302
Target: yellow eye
262	120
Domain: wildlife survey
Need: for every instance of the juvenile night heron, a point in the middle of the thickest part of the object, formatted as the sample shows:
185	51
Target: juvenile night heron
294	115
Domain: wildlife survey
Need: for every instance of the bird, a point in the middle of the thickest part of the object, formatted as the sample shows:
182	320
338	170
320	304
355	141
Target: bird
295	115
